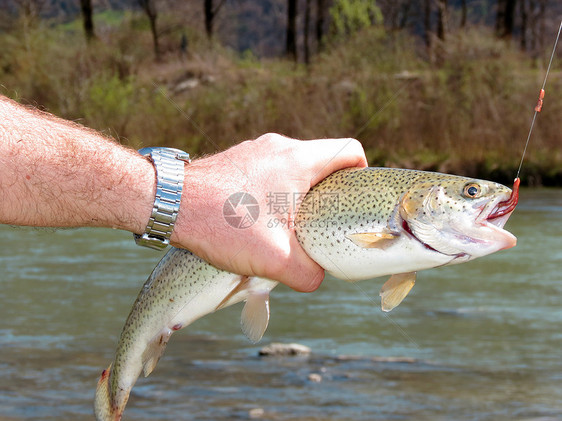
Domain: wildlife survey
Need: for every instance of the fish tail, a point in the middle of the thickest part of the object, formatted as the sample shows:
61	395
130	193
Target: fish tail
103	406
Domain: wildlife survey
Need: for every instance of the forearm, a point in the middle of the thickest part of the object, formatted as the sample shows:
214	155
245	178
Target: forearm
56	173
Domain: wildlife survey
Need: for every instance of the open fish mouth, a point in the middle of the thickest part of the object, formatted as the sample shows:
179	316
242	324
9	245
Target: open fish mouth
499	215
507	206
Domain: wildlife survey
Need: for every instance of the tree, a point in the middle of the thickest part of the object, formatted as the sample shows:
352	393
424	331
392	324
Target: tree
505	18
150	9
523	11
87	19
306	31
291	46
320	11
211	12
442	19
397	13
464	13
427	23
533	21
542	22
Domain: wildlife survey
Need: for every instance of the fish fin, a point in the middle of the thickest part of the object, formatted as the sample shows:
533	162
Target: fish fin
372	239
255	316
395	289
242	284
154	350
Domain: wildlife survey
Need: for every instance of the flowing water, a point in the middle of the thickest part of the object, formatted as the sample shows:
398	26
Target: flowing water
477	341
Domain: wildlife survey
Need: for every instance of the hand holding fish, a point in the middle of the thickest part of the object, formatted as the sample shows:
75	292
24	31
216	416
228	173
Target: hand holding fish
270	165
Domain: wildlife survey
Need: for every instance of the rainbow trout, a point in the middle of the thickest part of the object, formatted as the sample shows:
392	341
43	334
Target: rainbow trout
357	224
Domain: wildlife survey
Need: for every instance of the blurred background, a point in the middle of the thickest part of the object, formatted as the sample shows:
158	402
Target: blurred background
430	84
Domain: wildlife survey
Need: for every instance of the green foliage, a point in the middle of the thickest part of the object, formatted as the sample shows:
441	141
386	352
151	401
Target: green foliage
110	102
351	16
469	115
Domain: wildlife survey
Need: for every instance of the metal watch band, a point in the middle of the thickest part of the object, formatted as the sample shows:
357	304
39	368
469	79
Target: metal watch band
169	165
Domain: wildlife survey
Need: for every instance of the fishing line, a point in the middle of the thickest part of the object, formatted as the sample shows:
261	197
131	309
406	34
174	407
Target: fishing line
538	107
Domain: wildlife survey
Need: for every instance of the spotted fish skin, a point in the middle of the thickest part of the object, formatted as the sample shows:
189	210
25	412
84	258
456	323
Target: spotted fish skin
382	200
356	224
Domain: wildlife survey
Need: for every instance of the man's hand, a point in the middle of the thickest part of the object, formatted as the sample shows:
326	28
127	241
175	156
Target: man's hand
269	165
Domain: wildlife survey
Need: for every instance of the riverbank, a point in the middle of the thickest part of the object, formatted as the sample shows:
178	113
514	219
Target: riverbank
468	115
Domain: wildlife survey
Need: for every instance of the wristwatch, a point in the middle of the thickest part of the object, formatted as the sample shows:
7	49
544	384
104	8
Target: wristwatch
169	164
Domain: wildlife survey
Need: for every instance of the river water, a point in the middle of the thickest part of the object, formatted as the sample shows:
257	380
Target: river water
476	341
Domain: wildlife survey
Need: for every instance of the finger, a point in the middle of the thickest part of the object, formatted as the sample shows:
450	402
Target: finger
303	274
331	155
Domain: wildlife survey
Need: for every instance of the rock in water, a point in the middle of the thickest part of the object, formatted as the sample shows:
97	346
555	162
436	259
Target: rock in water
278	349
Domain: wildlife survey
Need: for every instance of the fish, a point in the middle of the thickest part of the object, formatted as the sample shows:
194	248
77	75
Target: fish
358	223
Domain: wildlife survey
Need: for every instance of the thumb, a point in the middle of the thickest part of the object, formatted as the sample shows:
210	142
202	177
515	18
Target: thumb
332	155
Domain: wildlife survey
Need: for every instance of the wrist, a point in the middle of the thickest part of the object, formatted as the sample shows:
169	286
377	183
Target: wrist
169	165
125	199
200	203
144	190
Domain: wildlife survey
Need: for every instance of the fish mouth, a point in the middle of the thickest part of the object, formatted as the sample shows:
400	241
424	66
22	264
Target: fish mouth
500	213
507	206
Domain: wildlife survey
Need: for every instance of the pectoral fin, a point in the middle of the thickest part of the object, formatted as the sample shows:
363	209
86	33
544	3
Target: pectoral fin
255	316
154	350
372	239
395	289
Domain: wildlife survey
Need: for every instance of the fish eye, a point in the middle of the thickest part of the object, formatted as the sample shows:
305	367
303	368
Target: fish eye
472	190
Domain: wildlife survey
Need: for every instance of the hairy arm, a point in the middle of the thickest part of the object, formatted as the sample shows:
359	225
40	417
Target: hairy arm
59	174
